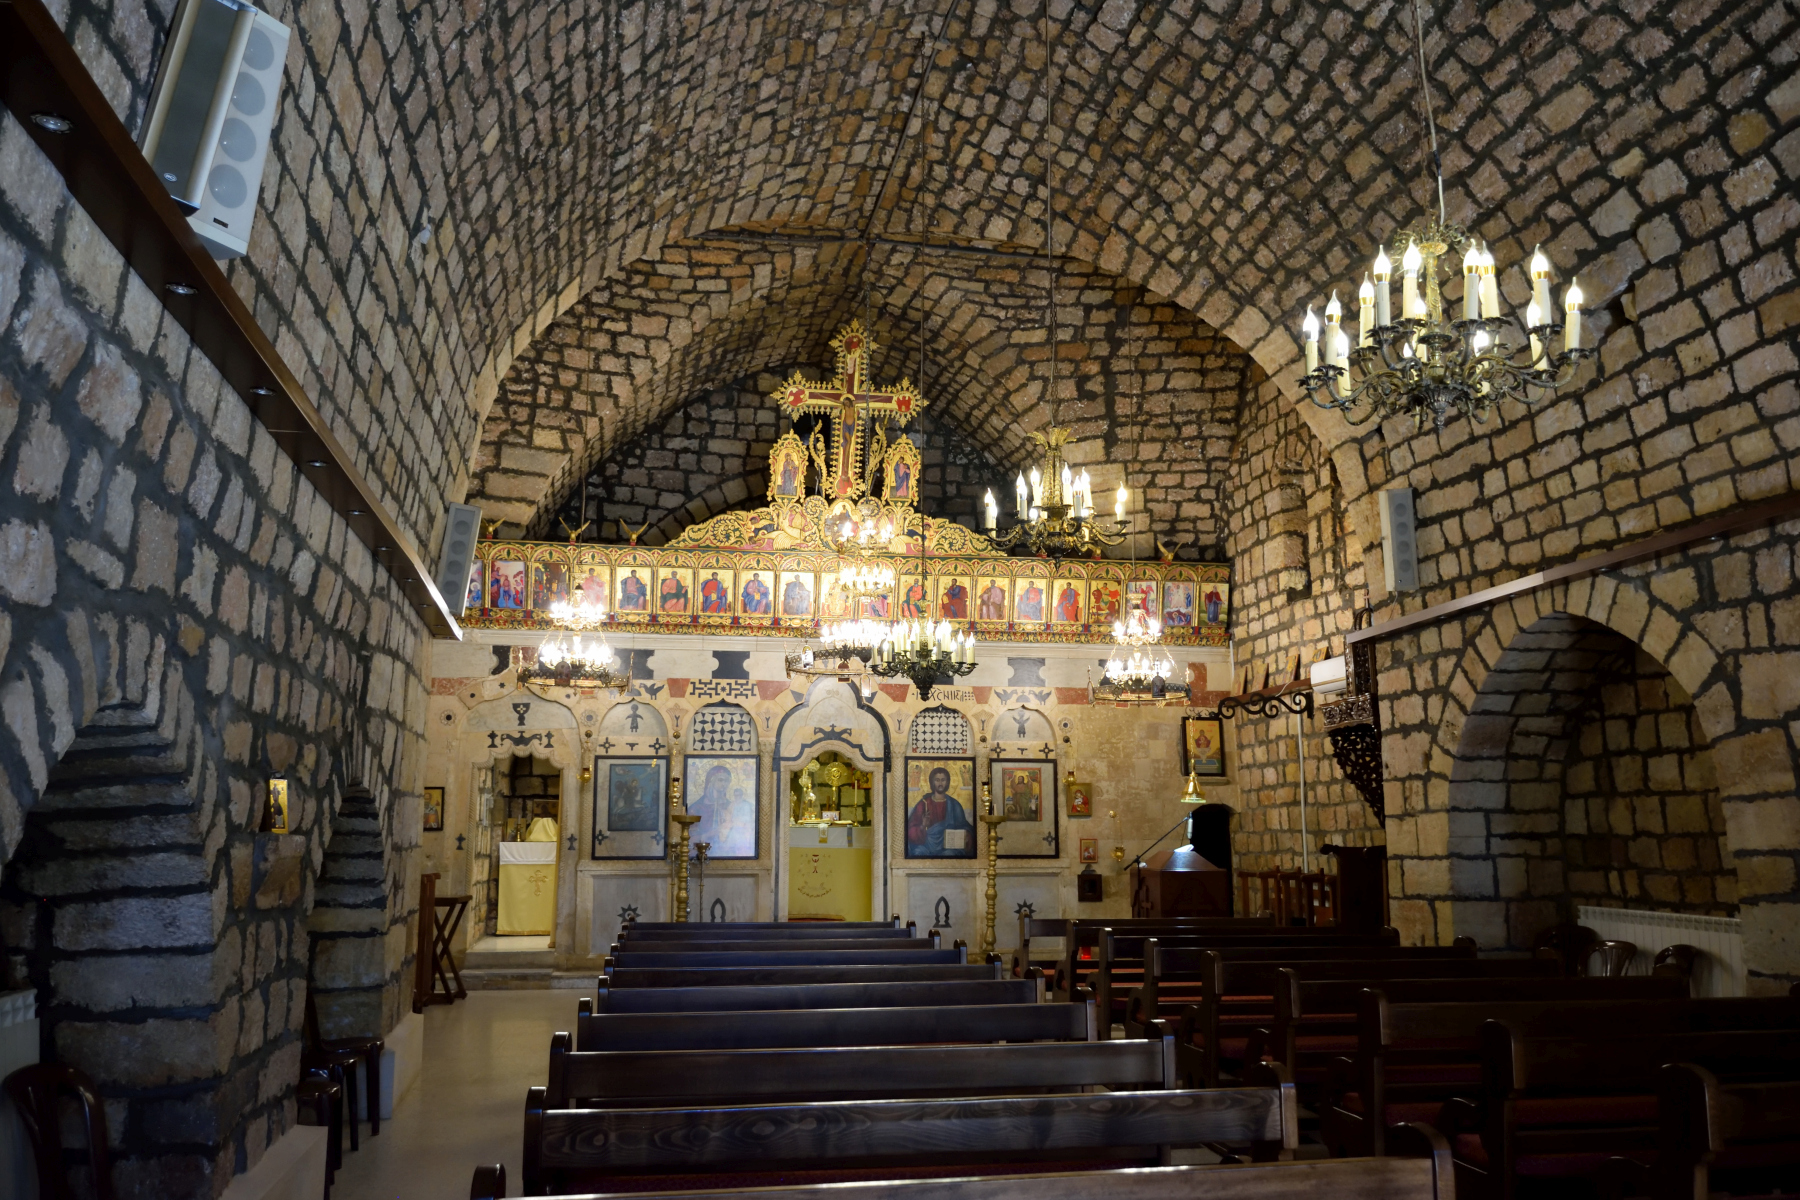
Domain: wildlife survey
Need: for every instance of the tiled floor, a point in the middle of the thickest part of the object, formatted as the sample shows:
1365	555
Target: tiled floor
468	1106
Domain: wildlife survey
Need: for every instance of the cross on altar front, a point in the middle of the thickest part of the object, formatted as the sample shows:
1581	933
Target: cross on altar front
853	402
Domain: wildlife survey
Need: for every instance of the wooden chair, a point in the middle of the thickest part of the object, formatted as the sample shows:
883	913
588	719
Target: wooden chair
38	1091
345	1053
1568	943
1609	959
320	1099
1678	960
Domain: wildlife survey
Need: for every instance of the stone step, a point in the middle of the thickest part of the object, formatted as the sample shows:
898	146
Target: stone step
507	978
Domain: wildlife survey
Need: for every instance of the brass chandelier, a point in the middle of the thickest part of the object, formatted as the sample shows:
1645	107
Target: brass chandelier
1425	364
1056	509
566	661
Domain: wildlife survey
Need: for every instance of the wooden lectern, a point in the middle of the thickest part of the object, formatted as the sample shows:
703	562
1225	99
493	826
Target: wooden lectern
1179	883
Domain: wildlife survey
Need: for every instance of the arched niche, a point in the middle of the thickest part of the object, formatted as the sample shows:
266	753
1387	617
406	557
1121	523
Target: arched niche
517	724
834	719
727	784
1024	756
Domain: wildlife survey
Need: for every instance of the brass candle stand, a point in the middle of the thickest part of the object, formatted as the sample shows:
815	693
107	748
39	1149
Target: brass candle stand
687	821
993	821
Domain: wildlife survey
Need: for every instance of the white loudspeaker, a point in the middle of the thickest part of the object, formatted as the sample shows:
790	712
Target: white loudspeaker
458	555
212	113
1399	539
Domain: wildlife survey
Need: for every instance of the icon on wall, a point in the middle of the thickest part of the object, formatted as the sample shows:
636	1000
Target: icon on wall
434	810
1090	850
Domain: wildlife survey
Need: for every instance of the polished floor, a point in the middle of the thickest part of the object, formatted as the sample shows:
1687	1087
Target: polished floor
468	1107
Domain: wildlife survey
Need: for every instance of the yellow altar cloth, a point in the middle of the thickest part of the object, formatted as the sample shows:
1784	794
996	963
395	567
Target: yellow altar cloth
528	882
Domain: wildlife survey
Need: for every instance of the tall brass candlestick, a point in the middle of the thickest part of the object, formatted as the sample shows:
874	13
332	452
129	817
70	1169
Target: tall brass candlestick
993	821
687	821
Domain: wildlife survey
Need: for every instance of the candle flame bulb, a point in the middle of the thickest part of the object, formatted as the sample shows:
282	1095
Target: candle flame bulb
1334	312
1572	317
1412	260
1310	327
1383	271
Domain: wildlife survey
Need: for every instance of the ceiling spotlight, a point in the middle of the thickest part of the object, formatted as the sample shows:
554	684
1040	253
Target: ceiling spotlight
356	512
262	391
181	289
315	462
52	122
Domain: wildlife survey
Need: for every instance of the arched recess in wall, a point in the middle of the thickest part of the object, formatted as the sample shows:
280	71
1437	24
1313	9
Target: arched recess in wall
834	718
1582	776
628	827
940	887
515	725
725	772
1026	771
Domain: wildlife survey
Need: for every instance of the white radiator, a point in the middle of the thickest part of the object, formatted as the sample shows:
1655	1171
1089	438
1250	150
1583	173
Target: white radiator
1720	940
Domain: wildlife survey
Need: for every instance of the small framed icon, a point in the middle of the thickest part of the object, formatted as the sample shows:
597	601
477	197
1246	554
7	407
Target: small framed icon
1090	850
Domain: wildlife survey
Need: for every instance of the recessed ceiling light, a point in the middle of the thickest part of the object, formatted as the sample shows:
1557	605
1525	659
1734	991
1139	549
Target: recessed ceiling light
181	289
52	122
315	462
356	512
262	391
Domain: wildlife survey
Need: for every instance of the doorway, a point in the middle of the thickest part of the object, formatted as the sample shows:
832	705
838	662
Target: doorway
528	821
830	840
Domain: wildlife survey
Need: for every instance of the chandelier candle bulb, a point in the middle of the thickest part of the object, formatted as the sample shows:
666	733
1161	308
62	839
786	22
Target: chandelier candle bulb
1534	316
1037	488
1472	284
1412	306
990	510
1365	313
1572	317
1021	490
1341	360
1490	286
1540	286
1384	300
1310	328
1119	504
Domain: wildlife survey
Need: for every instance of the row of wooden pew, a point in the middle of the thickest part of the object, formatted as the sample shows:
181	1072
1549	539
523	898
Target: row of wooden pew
715	1058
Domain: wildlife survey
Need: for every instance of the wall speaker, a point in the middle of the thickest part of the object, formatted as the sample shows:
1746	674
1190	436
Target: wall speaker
212	113
1399	539
457	555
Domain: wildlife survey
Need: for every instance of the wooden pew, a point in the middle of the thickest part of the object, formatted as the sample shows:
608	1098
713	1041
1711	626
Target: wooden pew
879	994
1561	1107
628	1078
1082	945
616	1149
1179	975
1418	1041
674	977
1425	1177
837	927
1120	959
790	1028
790	958
780	931
773	945
1721	1138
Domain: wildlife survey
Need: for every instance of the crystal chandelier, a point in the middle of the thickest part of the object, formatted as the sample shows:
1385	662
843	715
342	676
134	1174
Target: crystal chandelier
924	653
844	665
576	662
859	637
1138	629
1425	364
1137	673
865	578
1056	509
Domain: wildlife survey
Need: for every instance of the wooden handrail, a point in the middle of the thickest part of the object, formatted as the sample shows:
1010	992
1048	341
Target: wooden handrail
1750	516
42	77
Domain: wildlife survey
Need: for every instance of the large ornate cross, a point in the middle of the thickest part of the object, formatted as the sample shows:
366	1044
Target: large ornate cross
853	402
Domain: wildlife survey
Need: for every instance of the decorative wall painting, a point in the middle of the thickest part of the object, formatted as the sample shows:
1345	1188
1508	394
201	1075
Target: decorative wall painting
915	603
714	591
633	591
549	584
1178	605
1214	598
901	473
787	469
796	598
589	590
833	603
955	598
506	584
1081	800
1141	596
1026	792
433	807
674	591
1066	604
631	807
1203	746
940	808
722	791
1103	603
756	594
1031	600
475	576
991	600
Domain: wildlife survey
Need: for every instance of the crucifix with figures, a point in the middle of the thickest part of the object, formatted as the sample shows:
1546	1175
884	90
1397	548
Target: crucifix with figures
850	401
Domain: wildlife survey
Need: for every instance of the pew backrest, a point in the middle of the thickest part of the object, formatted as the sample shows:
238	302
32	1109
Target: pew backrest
780	931
790	958
772	945
1706	1123
669	977
589	1145
616	1078
812	996
727	928
793	1028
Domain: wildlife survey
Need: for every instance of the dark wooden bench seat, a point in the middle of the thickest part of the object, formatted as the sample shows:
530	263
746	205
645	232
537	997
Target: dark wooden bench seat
1093	951
624	1078
672	977
773	945
766	933
876	994
1424	1177
799	957
1562	1107
1417	1042
627	1149
732	928
1059	929
1719	1138
779	1028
